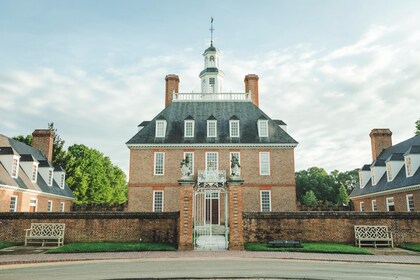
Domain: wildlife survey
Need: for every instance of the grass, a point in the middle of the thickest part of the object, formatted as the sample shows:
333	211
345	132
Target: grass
311	247
411	246
112	247
4	244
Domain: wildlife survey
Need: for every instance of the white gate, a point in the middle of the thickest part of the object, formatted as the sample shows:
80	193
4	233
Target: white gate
210	211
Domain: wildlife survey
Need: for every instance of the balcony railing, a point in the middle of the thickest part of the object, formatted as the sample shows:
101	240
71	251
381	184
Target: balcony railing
181	97
211	177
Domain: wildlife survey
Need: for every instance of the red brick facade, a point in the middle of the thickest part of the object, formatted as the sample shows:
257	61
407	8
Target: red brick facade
400	201
23	202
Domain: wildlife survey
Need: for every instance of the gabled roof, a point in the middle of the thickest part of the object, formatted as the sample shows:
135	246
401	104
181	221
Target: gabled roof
27	157
7	151
414	150
279	122
247	113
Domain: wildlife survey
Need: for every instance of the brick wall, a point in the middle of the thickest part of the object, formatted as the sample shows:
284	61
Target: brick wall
327	226
400	202
94	226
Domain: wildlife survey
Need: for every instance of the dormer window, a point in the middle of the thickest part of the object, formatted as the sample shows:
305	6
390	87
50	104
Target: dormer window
34	172
50	177
211	128
160	128
263	128
63	180
189	128
234	128
408	166
15	166
389	171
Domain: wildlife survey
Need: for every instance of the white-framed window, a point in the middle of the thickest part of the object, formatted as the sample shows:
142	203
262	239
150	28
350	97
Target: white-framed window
62	180
234	128
160	128
265	200
264	163
188	128
408	166
410	202
62	206
362	206
374	207
50	177
33	202
158	201
238	157
389	171
211	128
263	128
212	81
189	157
212	161
373	174
159	163
13	203
49	206
15	167
34	173
390	204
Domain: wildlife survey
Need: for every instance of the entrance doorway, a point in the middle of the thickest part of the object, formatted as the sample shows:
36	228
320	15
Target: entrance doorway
213	208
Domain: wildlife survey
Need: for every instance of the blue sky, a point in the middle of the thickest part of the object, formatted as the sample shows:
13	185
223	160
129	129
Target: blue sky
332	70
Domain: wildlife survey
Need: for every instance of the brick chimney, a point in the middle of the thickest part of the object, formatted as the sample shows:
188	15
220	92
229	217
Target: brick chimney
43	139
251	85
380	139
172	85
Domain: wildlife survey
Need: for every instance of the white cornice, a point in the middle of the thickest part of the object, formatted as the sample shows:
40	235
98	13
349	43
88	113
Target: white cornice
404	189
17	189
210	145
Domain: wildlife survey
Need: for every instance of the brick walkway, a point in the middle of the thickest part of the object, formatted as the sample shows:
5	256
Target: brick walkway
43	258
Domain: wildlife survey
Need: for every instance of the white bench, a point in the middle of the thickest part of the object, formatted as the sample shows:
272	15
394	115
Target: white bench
373	236
45	233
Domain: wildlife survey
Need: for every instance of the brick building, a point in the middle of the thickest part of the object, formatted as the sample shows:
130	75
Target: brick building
28	180
211	155
392	181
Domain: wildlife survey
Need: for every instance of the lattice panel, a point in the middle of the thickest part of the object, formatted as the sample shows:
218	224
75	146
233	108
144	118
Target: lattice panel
371	232
39	229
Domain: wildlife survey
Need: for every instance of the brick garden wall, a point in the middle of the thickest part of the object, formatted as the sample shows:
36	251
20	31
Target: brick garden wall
327	226
96	226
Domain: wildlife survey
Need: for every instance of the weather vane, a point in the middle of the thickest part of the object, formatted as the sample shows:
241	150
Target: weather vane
211	31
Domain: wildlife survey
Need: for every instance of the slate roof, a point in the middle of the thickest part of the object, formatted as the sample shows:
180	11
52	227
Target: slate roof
247	113
400	180
23	181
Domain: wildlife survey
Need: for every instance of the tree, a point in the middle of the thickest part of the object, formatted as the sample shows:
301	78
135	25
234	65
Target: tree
24	139
343	196
417	127
309	199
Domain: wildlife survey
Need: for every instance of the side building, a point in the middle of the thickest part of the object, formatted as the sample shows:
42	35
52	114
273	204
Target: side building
28	180
392	181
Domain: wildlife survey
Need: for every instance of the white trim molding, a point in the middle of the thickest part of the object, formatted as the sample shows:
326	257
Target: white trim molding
17	189
210	145
404	189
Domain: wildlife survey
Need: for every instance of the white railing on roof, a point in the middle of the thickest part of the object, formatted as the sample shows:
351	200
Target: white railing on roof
211	96
211	176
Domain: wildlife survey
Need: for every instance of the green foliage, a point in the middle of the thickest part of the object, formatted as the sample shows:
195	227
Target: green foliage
326	187
24	139
311	247
417	132
411	246
343	196
5	244
309	199
112	247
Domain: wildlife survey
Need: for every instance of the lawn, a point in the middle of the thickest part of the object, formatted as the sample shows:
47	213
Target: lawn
311	247
411	246
4	244
112	247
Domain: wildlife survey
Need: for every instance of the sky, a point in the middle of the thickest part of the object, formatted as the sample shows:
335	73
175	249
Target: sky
332	70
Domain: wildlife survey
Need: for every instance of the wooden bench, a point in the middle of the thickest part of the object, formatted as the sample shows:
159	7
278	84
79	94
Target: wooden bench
45	233
373	236
285	243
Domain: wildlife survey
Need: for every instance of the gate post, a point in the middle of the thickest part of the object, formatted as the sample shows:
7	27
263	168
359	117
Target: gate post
236	233
185	242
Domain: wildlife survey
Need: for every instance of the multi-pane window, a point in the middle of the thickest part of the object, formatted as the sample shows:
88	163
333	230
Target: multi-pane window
212	81
263	128
390	204
15	164
157	201
159	163
13	203
237	155
408	166
362	206
34	172
389	171
374	207
160	128
264	163
50	177
189	128
189	157
373	176
410	203
62	206
33	204
49	206
234	128
63	180
211	128
212	161
265	201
